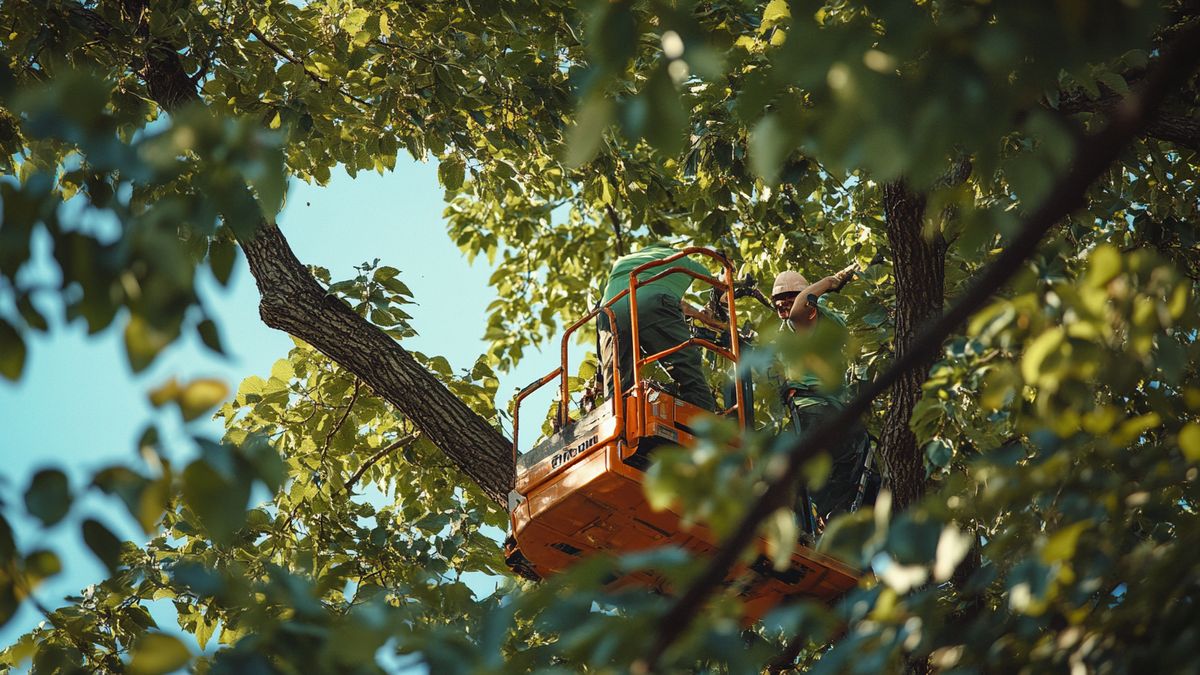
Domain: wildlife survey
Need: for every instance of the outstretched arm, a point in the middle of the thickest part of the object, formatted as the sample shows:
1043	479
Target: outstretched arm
804	313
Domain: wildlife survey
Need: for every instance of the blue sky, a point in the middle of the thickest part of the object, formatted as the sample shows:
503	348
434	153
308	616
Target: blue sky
80	408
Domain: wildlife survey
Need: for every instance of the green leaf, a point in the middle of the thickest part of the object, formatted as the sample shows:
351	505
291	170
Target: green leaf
776	11
41	565
384	273
781	533
1189	441
219	502
1115	82
585	137
666	118
939	452
145	499
252	386
221	255
8	548
33	318
354	20
48	496
201	395
268	465
382	317
12	352
1037	352
613	35
197	578
913	539
1104	264
270	186
397	286
283	370
205	627
8	599
210	336
440	365
103	543
169	391
768	148
451	172
953	546
143	342
1061	545
157	653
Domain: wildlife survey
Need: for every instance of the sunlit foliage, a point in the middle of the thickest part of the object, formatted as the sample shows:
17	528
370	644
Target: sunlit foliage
323	532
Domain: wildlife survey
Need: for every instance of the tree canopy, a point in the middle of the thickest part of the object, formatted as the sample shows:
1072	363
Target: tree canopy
1027	351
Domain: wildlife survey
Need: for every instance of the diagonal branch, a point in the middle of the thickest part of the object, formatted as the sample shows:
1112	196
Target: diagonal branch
616	226
1092	159
337	427
1181	130
291	58
293	301
374	459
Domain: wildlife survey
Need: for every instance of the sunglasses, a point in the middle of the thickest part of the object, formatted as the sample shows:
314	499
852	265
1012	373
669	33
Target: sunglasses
784	301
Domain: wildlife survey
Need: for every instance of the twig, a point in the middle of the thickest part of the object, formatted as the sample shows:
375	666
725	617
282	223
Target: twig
786	660
325	449
399	47
1091	161
269	44
340	422
366	466
616	226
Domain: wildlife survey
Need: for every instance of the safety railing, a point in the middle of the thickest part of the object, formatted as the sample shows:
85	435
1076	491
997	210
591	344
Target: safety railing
726	288
564	388
561	372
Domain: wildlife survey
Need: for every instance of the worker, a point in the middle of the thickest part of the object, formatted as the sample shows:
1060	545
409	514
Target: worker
800	306
661	323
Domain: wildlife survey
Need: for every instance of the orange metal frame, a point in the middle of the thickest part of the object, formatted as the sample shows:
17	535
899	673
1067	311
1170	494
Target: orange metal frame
639	386
726	287
585	496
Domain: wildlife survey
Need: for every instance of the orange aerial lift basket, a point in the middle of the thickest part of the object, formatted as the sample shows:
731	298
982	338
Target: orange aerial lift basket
579	492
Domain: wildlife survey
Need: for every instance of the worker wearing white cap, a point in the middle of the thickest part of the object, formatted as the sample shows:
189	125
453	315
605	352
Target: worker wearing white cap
798	304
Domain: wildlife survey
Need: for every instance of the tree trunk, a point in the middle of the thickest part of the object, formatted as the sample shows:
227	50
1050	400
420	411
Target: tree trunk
294	302
919	267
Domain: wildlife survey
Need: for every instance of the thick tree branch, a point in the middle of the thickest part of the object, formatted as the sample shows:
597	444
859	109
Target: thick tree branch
1092	159
292	301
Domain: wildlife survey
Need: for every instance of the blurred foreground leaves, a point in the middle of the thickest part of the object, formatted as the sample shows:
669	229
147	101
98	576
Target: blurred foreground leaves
1059	431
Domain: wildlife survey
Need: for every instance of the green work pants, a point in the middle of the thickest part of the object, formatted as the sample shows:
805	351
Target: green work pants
838	493
660	326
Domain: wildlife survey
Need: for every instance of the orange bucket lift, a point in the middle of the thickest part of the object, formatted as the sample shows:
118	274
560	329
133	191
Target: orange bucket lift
579	492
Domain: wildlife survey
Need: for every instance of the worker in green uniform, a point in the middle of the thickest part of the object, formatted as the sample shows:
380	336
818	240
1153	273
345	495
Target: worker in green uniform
800	306
661	323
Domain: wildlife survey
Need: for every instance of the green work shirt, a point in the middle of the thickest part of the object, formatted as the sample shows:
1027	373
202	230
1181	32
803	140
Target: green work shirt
673	285
800	377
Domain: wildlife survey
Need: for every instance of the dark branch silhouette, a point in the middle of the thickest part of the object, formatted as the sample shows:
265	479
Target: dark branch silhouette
1092	159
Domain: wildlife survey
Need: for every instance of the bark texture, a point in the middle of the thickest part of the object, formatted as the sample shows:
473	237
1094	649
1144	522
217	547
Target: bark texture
294	302
919	265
